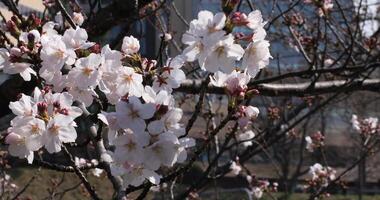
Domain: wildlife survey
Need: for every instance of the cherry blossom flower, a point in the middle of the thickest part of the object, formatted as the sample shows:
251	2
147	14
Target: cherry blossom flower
78	18
11	63
85	73
110	119
168	123
60	129
159	98
171	76
235	82
257	192
32	129
110	67
18	148
23	107
134	174
129	82
365	126
255	20
130	45
164	151
54	55
132	114
76	38
204	32
185	143
314	141
129	147
246	114
83	95
256	57
223	55
25	136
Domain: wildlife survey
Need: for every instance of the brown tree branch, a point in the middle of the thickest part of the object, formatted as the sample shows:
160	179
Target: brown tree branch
292	89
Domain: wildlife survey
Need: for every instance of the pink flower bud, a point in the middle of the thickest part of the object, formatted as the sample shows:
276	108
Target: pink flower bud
239	19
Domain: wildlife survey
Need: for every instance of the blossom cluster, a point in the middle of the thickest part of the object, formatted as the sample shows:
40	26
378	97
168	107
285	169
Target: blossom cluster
314	141
43	120
144	122
259	187
365	127
213	41
321	176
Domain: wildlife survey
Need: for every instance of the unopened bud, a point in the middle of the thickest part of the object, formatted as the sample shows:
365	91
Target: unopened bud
239	19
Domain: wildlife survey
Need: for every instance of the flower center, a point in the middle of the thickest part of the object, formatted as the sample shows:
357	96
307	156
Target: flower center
134	114
35	129
87	71
157	149
220	51
128	78
130	146
60	54
54	129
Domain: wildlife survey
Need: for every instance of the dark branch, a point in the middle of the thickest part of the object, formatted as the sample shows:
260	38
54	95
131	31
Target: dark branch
292	89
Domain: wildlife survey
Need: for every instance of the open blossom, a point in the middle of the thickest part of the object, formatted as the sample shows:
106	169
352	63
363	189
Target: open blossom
223	55
76	38
110	67
130	147
134	174
163	152
110	119
11	63
129	82
168	123
322	175
54	55
171	76
256	57
235	82
25	136
206	24
159	98
255	20
23	107
246	114
85	73
132	114
61	129
130	45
